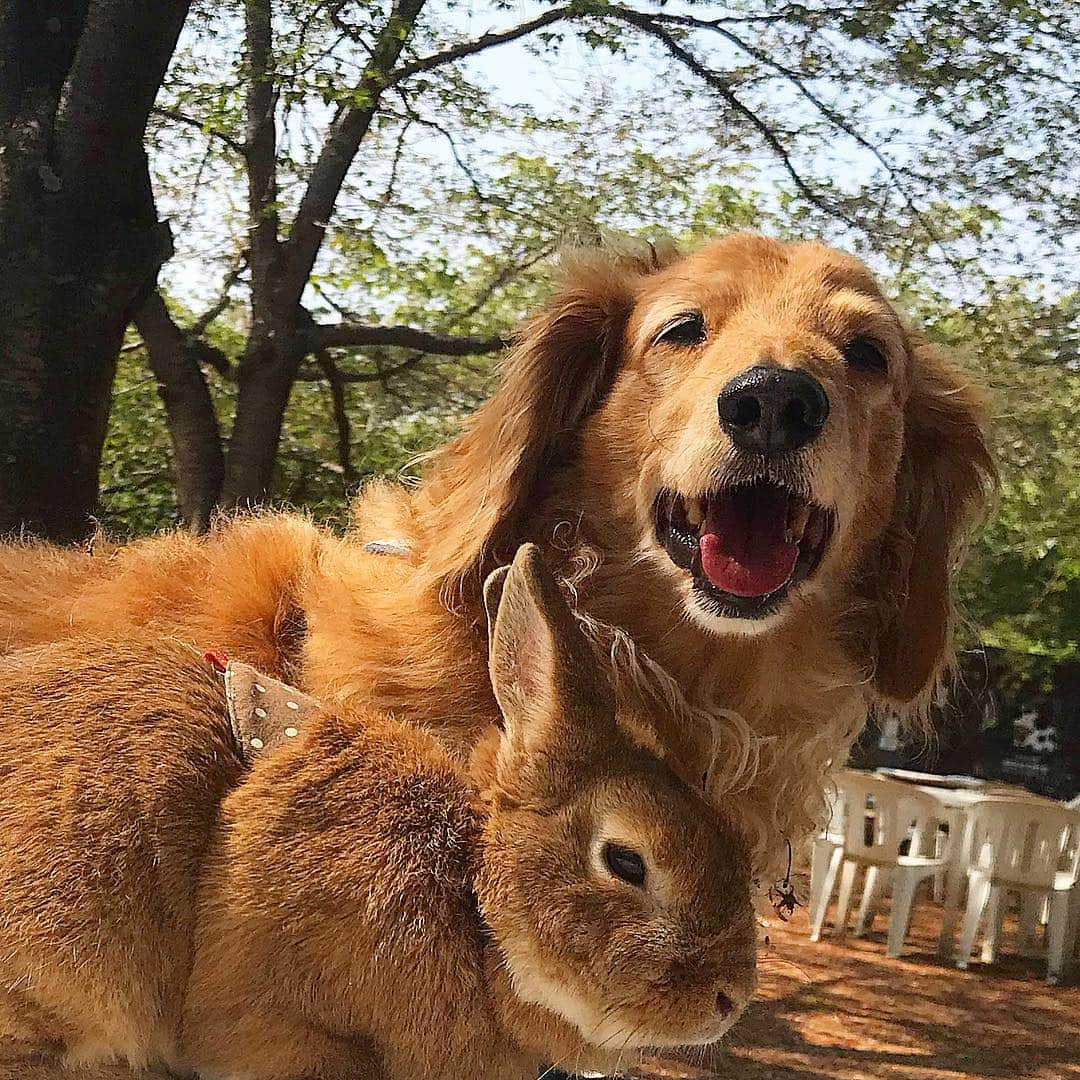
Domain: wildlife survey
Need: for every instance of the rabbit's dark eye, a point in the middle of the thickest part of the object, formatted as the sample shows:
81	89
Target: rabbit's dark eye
683	331
865	355
625	864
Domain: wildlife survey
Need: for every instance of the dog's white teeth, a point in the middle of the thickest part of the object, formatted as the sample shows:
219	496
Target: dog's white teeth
695	515
797	523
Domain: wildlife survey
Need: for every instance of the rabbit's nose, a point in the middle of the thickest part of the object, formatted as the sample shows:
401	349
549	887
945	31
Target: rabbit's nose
724	1005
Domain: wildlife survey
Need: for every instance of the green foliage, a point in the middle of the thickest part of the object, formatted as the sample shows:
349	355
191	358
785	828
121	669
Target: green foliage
138	491
1020	589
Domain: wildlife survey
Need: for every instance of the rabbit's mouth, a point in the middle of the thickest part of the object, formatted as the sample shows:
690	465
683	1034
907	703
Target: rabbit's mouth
745	546
621	1033
619	1030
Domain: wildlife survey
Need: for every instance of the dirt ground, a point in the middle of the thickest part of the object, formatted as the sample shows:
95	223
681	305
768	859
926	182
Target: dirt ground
847	1012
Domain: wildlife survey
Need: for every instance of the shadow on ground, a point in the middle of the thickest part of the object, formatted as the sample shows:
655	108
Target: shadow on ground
844	1011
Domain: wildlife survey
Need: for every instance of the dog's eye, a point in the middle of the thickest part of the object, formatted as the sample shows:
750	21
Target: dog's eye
685	330
865	355
625	864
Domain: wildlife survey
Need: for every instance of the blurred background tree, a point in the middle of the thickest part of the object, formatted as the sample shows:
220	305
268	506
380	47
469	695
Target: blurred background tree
364	200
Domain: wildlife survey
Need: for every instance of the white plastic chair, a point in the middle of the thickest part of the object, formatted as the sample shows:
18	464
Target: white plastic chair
900	813
825	843
1035	909
1016	845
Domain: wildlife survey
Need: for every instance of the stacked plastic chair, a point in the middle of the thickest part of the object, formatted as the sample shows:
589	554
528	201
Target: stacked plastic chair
1017	846
883	827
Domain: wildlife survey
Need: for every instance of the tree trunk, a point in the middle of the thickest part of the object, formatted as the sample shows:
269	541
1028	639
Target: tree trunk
80	242
265	380
280	271
198	454
268	367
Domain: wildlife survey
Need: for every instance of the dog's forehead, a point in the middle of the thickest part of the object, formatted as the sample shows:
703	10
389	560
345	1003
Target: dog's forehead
746	269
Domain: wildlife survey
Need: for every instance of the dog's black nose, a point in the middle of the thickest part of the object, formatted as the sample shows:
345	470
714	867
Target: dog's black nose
770	409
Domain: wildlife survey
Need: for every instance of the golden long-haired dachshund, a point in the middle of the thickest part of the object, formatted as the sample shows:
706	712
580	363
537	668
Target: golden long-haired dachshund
748	471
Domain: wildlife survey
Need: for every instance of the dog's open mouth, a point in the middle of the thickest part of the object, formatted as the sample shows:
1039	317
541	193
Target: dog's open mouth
745	545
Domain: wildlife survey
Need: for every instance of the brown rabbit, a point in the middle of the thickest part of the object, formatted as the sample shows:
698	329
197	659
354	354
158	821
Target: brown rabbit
368	909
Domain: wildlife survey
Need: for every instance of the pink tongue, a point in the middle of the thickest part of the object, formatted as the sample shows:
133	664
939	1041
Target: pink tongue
743	550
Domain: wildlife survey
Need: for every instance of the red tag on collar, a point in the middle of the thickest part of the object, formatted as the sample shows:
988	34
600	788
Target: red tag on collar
217	658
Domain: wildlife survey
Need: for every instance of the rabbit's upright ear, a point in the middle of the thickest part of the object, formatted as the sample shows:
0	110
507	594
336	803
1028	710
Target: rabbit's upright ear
556	702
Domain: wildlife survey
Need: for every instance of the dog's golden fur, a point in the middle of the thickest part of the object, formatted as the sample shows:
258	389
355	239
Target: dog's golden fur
358	906
592	416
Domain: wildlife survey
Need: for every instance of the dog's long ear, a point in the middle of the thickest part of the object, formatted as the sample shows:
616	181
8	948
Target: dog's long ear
563	364
945	475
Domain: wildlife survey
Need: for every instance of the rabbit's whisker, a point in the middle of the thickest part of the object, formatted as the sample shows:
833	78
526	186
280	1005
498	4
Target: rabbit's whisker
767	962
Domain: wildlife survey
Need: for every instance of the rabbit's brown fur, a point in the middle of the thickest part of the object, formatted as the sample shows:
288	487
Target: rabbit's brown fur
52	1070
112	770
367	907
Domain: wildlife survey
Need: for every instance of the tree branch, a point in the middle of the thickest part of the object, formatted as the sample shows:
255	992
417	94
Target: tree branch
649	25
352	122
190	121
349	31
505	275
382	375
451	142
395	165
198	453
325	336
786	14
342	143
261	156
824	108
341	415
485	41
895	175
198	327
564	13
